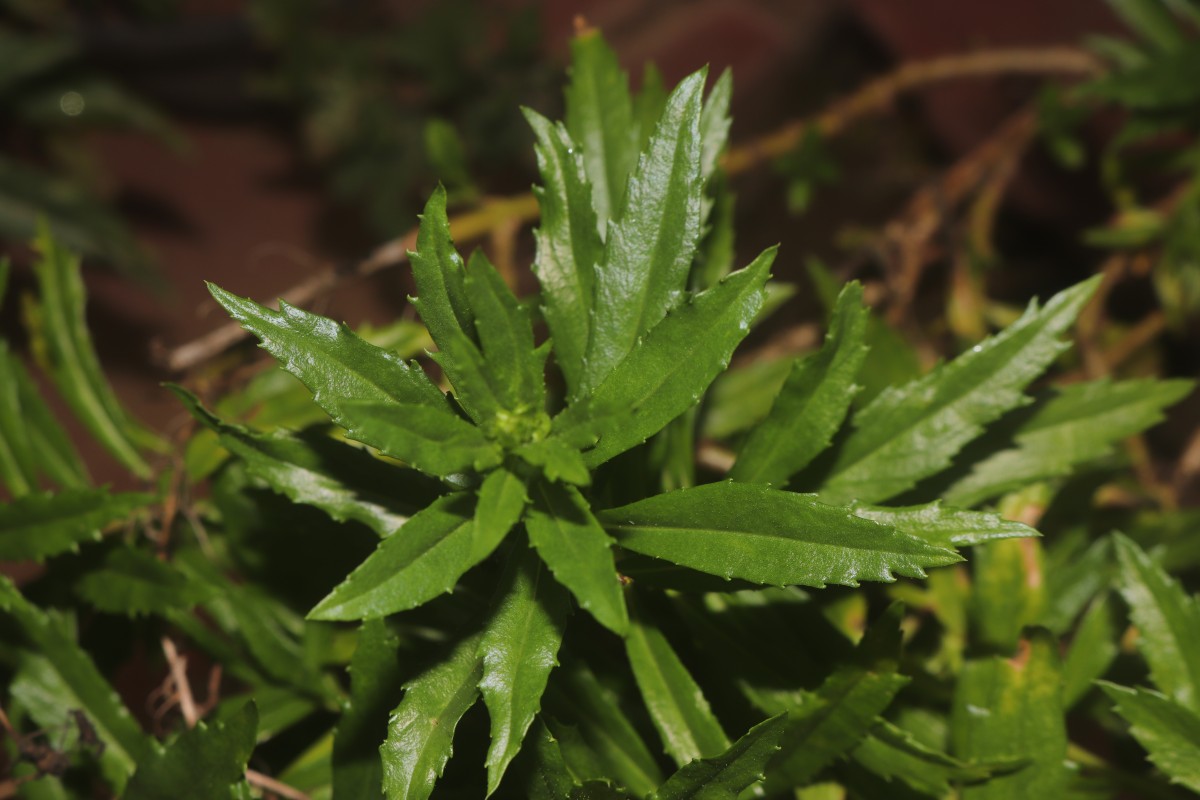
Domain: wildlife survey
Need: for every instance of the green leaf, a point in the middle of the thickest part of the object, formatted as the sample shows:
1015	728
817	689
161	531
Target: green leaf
421	729
429	554
714	124
445	308
506	338
1076	425
53	453
134	582
62	343
428	438
765	535
343	481
812	403
1168	621
600	119
38	526
1169	731
688	728
1157	85
331	360
572	543
946	527
1012	709
650	244
1008	591
740	398
556	459
911	432
374	674
519	649
1093	650
568	245
669	369
60	677
1152	21
18	464
202	764
725	776
892	752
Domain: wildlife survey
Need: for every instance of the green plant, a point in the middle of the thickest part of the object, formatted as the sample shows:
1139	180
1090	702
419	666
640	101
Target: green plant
547	542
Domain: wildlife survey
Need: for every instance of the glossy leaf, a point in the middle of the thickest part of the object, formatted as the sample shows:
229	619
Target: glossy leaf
519	649
568	245
1168	622
714	123
687	726
38	526
572	543
1168	730
62	343
725	776
943	526
421	729
427	556
134	582
428	438
1076	425
505	337
911	432
666	373
812	403
765	535
375	675
648	251
202	763
1012	709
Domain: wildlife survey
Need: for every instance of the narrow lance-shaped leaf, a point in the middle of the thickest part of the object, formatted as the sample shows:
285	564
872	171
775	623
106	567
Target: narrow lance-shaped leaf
204	761
54	452
428	438
421	730
1078	424
725	776
430	553
38	526
519	649
714	125
343	481
669	369
134	582
374	675
600	119
62	343
814	399
1094	647
687	725
943	526
331	360
577	550
649	248
1169	731
1168	622
765	535
568	246
912	432
18	462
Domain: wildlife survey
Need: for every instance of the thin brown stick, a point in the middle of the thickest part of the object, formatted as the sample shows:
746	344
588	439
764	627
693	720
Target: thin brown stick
178	667
269	784
871	98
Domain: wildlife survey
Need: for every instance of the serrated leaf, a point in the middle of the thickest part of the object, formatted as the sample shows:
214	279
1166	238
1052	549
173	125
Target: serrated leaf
600	118
38	526
519	649
569	539
343	481
428	438
681	714
1075	425
812	403
506	338
202	764
556	459
650	244
445	308
60	677
913	431
1168	622
892	752
374	675
669	369
769	536
1169	731
723	777
430	553
943	526
421	729
331	360
63	344
568	245
1012	709
134	582
714	124
1093	650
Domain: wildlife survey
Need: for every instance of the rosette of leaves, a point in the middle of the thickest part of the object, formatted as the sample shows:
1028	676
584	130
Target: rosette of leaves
549	495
